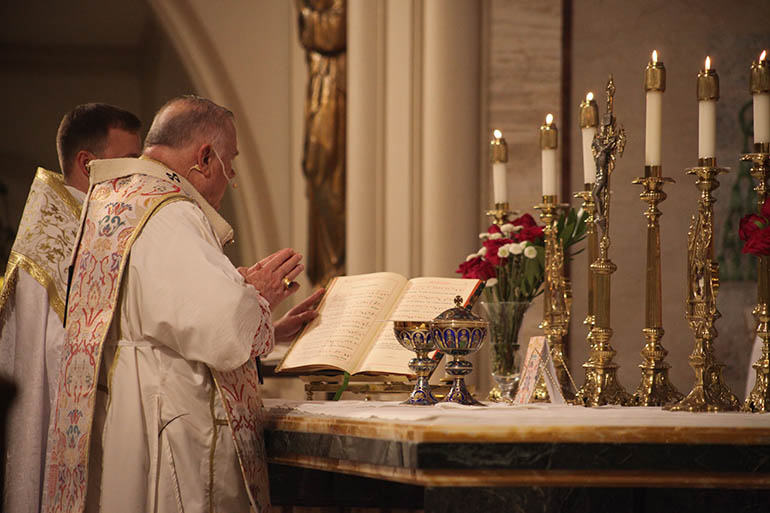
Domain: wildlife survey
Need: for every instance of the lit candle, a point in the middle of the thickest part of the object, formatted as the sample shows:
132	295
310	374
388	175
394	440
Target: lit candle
548	144
498	155
589	120
760	89
654	85
708	94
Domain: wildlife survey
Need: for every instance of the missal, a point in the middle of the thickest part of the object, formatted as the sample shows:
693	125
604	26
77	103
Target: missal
351	333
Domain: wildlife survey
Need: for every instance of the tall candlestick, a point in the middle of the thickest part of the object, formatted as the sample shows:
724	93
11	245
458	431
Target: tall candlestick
654	85
708	94
549	136
759	86
498	156
589	120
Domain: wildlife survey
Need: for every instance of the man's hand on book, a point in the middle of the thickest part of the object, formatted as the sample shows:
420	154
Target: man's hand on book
288	326
271	275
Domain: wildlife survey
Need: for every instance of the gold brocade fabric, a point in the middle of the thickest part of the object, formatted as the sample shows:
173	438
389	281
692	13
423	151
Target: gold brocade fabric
322	32
45	238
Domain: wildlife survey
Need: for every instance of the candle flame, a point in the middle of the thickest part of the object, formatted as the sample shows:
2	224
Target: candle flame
654	56
762	57
498	134
549	119
589	96
708	63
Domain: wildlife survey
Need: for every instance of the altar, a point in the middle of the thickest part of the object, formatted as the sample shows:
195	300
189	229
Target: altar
538	457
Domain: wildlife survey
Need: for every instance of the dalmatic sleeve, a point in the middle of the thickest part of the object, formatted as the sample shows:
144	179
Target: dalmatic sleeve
182	292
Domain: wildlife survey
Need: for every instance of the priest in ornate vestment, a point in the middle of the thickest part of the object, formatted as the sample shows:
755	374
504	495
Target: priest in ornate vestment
33	295
158	406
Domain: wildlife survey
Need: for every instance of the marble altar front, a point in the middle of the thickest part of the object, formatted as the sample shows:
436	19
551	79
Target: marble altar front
546	457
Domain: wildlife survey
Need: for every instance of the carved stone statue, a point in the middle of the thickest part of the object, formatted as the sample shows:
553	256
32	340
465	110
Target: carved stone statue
322	32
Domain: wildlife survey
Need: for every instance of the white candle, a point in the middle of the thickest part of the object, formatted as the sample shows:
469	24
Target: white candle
760	89
589	118
762	117
548	144
655	84
499	157
708	94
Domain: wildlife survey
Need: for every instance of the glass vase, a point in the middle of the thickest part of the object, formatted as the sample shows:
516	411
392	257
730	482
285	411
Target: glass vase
505	318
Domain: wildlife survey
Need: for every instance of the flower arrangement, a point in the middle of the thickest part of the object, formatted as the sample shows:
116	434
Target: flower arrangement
755	232
511	259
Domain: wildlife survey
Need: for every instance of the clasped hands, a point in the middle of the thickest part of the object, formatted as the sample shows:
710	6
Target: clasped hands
273	277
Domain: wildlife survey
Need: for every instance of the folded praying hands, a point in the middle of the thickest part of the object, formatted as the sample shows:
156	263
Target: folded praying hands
273	275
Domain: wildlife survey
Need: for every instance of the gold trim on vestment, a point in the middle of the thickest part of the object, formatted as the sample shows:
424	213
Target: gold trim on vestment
7	292
56	182
41	276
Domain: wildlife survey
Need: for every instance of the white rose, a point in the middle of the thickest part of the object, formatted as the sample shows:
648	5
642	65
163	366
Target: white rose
503	252
517	248
482	251
483	235
530	252
508	228
471	257
494	236
491	282
517	228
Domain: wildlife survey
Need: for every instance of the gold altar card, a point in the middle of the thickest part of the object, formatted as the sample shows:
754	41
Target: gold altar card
538	362
349	333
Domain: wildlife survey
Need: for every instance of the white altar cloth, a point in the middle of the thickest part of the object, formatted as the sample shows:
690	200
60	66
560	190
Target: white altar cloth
551	415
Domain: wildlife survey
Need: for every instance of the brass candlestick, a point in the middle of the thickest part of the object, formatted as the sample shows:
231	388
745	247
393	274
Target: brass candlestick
601	385
759	398
500	214
592	248
557	297
710	392
655	388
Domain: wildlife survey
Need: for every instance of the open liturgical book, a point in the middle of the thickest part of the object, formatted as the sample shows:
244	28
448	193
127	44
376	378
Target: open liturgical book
351	334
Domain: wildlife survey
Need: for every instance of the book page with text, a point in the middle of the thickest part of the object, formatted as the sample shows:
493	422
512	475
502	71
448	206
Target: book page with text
422	300
349	315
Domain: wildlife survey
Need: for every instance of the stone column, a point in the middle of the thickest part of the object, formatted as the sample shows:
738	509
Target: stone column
450	133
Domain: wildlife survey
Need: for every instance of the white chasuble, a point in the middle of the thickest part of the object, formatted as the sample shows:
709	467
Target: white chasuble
176	408
32	332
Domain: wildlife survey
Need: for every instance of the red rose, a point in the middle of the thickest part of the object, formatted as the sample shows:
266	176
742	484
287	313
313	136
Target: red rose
530	234
476	268
492	246
750	224
758	242
525	220
493	228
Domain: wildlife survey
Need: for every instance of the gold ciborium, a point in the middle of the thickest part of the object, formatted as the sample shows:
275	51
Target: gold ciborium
458	332
416	336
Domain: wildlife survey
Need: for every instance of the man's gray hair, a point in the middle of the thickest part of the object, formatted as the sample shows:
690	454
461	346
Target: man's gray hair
198	119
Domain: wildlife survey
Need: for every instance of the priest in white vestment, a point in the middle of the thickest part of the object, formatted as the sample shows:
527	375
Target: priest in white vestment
161	440
32	299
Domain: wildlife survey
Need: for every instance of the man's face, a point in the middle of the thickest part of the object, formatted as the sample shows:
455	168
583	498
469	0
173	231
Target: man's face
121	143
